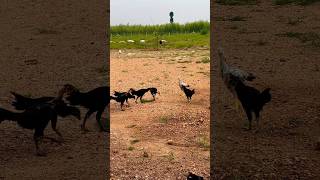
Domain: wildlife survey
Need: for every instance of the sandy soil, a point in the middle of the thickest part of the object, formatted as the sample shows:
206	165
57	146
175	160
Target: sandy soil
284	148
45	44
169	137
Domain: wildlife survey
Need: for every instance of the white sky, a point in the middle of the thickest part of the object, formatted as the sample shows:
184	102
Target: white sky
157	11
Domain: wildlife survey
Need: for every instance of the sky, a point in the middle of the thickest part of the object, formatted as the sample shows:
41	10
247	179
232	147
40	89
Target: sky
157	11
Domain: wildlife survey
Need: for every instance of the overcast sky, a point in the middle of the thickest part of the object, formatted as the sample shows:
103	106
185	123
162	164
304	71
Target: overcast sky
157	11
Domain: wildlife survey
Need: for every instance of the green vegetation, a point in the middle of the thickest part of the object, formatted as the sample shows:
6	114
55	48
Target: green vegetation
146	100
134	141
237	2
203	142
311	38
163	119
187	35
299	2
201	27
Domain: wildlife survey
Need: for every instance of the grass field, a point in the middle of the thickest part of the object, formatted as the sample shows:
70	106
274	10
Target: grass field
195	34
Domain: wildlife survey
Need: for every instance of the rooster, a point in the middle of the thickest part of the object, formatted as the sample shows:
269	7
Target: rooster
188	92
227	72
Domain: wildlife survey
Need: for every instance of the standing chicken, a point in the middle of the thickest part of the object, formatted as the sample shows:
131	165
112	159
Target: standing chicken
227	72
188	92
182	84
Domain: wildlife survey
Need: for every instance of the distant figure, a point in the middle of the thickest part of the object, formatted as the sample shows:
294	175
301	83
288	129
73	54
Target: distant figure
171	17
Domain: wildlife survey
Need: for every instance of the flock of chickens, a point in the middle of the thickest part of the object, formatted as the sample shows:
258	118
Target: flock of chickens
122	97
36	113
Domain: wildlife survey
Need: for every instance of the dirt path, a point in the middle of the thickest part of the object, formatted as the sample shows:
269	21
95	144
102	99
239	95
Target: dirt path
167	138
264	39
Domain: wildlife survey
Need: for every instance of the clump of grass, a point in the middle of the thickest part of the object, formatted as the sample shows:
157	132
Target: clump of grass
205	60
234	27
203	142
237	18
237	2
134	141
163	119
185	61
131	126
294	22
146	100
309	37
299	2
130	148
170	156
261	43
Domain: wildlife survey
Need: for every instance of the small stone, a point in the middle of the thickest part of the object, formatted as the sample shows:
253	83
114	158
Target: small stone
145	154
170	142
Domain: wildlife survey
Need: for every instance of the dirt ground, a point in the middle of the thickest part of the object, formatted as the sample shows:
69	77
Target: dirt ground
45	44
284	148
169	137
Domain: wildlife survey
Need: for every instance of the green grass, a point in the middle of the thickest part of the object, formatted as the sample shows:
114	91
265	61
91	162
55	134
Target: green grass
170	156
203	142
205	60
311	38
237	2
201	27
146	100
163	119
299	2
174	41
130	148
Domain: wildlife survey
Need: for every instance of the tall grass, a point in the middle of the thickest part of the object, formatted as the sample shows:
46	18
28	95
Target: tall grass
202	27
299	2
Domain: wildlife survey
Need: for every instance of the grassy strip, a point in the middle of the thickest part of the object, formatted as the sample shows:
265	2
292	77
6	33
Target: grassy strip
202	27
299	2
174	41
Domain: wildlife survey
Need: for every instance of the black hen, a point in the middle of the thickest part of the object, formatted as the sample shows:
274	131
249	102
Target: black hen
252	100
121	97
95	101
62	109
36	118
139	93
22	102
154	92
192	176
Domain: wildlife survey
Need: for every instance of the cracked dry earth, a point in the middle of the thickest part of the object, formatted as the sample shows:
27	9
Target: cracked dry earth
166	138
